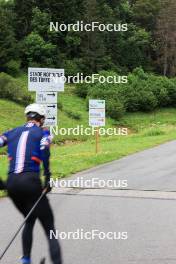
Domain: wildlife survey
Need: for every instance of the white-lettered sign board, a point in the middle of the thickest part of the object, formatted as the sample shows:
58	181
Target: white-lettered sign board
51	114
46	97
45	79
96	113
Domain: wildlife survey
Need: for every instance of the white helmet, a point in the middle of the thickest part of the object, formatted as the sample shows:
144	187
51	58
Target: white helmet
35	108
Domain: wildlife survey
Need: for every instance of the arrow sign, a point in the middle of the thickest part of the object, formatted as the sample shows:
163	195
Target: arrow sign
96	113
46	98
53	94
97	122
51	118
51	114
93	113
96	104
53	106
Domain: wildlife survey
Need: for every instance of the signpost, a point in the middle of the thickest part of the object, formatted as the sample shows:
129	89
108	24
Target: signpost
44	79
47	82
97	117
46	98
51	114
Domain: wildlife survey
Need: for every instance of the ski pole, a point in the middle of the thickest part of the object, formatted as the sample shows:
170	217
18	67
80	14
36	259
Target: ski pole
21	226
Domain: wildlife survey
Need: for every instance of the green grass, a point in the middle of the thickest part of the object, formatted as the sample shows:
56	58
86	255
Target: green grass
146	130
159	118
75	153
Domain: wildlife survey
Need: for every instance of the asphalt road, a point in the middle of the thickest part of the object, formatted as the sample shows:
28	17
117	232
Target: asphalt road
146	211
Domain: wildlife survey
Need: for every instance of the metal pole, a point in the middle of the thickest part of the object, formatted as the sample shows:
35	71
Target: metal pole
21	226
97	140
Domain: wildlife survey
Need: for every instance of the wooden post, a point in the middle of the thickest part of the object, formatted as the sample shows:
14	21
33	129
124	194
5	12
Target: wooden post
97	139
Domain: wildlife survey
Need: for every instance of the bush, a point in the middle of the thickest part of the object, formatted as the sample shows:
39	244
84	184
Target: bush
171	88
71	67
76	116
147	101
13	67
11	90
82	90
115	109
143	92
110	93
159	87
138	94
36	50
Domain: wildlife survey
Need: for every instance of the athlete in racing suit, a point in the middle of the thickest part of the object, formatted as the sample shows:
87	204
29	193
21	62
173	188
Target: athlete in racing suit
28	146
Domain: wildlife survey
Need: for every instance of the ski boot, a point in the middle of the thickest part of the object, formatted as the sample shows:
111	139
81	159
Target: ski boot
25	260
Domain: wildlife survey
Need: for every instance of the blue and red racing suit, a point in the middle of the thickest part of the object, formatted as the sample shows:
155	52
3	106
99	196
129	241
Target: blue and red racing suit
28	146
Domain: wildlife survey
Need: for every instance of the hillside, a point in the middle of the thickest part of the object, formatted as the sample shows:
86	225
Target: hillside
75	153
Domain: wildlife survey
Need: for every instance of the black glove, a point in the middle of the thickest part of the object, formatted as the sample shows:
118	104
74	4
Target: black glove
48	187
47	182
2	185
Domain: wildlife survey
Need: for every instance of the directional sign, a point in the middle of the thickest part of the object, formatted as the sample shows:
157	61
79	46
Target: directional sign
96	113
96	104
97	122
51	114
46	98
44	79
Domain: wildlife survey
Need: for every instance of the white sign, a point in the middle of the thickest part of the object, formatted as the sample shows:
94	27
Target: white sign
96	104
46	98
51	114
97	113
97	122
45	79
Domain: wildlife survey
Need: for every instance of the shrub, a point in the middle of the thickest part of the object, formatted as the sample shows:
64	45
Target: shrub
36	49
147	101
159	87
82	90
76	116
11	90
137	94
171	88
143	92
13	67
71	67
115	109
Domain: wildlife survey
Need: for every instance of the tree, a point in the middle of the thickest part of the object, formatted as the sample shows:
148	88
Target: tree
23	10
8	45
145	12
166	37
93	50
37	51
